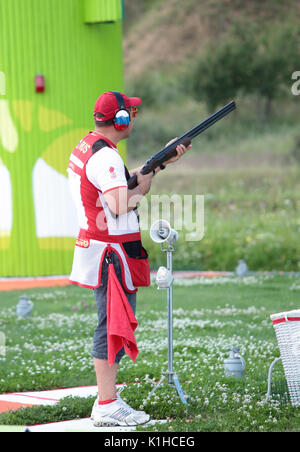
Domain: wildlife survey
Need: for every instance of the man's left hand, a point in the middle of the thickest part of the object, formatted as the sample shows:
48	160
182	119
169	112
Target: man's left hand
181	149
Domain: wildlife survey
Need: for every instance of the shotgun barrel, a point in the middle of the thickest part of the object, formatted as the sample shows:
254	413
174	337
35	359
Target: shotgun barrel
170	151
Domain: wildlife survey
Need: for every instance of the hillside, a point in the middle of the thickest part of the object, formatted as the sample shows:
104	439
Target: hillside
166	40
246	164
167	35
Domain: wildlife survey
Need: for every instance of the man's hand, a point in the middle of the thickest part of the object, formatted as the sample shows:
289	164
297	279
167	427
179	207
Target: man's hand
135	171
181	149
144	182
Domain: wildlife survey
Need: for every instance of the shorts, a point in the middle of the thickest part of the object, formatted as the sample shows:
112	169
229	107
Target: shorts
99	350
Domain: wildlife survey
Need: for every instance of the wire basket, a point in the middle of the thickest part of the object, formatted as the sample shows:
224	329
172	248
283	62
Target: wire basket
280	392
287	330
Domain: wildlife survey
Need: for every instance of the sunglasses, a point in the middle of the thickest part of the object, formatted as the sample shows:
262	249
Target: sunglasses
134	111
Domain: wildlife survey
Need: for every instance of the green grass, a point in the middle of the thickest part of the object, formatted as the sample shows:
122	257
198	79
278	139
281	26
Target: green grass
52	349
250	214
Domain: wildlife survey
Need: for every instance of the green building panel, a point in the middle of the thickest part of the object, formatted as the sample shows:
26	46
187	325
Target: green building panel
56	58
97	11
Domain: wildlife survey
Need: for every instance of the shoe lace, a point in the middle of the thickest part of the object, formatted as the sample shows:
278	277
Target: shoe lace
124	403
122	413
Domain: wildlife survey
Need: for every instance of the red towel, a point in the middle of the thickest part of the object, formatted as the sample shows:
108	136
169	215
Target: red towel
121	322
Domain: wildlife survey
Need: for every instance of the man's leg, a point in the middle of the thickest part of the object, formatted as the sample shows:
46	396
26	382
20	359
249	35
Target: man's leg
106	379
109	408
105	374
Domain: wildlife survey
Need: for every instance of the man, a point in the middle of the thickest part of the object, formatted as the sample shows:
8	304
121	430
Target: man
109	224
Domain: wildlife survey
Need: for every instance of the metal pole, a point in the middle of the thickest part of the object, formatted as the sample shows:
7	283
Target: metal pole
170	322
270	377
172	376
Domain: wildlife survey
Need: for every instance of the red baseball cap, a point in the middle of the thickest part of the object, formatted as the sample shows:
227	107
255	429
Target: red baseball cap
108	105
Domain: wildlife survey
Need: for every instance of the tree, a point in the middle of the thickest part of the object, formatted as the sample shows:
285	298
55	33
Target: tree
224	68
276	58
249	61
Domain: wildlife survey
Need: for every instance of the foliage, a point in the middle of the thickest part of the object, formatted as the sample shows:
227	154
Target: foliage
249	61
224	68
295	150
156	89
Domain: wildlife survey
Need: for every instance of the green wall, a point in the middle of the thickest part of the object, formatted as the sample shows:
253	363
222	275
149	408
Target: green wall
38	131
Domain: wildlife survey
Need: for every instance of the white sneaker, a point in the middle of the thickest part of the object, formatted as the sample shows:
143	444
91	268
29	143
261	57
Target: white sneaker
94	408
126	404
119	398
117	413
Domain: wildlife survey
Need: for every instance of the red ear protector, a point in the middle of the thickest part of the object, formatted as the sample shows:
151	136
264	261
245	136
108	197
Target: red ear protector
122	117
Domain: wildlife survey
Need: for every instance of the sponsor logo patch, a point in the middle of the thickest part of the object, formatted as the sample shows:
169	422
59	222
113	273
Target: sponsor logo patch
112	172
83	243
83	146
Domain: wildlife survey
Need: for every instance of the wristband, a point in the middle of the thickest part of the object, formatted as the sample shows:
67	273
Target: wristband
153	172
162	166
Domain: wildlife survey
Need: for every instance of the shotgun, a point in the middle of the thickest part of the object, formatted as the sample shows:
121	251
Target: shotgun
170	151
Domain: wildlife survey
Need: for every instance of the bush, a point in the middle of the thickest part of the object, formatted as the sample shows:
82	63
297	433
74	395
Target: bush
156	89
295	151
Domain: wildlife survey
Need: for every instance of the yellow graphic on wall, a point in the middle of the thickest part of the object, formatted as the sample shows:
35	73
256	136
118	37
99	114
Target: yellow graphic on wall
37	211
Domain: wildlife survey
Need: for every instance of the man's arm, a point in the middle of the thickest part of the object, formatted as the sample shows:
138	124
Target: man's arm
180	149
121	200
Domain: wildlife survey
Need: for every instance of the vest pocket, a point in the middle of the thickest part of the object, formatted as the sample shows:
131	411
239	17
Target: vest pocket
139	267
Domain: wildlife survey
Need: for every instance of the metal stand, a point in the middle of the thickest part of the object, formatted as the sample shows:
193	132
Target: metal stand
276	360
172	376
